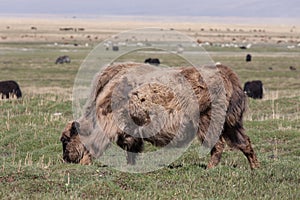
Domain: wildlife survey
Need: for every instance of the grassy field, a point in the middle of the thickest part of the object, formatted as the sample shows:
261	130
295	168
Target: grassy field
31	154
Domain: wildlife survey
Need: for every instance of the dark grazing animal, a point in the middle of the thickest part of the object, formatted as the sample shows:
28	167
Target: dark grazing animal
248	58
66	29
292	68
63	59
152	61
115	48
254	89
92	133
9	89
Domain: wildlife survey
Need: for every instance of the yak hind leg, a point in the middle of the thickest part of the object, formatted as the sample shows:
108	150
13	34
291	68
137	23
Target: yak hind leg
237	138
216	153
249	153
132	145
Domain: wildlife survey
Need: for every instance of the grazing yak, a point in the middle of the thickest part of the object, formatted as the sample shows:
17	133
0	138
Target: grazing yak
63	59
9	89
152	61
254	89
90	135
115	48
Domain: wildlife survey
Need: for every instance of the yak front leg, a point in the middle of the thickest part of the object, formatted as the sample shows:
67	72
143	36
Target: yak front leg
132	145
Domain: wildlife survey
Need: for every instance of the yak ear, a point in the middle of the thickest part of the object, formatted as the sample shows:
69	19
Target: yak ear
74	128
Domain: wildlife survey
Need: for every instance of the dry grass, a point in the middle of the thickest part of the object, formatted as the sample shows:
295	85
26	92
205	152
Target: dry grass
204	29
34	90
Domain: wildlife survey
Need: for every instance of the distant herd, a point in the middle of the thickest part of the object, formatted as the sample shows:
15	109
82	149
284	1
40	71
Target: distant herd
253	89
10	89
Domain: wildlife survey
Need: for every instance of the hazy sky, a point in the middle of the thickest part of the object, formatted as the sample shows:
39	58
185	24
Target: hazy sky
219	8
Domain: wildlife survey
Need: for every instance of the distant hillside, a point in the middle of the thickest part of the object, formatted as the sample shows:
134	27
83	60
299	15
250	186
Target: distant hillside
214	8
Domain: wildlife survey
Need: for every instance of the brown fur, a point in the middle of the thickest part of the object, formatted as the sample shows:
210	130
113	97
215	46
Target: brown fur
220	109
73	150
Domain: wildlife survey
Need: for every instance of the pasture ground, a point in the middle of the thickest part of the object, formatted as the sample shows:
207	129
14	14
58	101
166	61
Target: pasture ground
31	154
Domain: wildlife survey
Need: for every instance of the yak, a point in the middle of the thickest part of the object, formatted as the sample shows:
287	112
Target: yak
62	60
153	61
88	137
248	58
254	89
9	89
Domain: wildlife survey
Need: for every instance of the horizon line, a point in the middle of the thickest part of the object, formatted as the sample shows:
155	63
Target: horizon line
150	17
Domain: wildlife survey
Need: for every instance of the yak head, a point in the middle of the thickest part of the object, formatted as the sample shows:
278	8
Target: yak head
73	149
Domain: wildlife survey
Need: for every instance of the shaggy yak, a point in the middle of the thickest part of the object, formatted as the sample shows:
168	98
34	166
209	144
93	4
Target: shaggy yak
9	89
90	135
254	89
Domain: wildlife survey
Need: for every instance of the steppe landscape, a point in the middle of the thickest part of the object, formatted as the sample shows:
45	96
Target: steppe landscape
31	164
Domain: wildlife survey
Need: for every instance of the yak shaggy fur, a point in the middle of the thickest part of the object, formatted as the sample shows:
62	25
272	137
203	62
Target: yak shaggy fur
218	94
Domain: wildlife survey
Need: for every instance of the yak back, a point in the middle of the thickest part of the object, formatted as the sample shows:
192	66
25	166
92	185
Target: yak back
229	100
